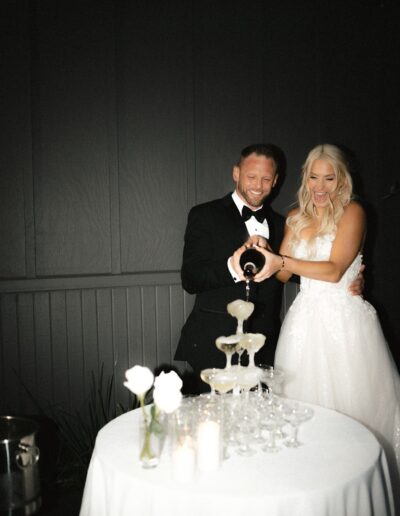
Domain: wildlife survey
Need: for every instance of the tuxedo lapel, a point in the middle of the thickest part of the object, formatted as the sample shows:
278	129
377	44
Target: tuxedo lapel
238	226
270	220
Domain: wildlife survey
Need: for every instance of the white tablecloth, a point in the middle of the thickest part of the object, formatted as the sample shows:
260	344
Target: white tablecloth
340	470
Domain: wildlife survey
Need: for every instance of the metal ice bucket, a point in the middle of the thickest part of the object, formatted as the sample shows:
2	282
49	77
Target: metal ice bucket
19	469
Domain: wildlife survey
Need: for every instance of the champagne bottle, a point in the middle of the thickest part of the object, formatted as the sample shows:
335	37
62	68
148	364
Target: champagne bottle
251	261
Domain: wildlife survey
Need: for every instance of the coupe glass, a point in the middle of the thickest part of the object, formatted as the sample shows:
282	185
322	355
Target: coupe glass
237	369
271	422
242	311
294	413
245	428
248	377
252	342
228	345
224	380
273	379
207	376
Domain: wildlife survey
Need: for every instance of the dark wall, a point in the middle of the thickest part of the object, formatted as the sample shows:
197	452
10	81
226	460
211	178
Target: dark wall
118	116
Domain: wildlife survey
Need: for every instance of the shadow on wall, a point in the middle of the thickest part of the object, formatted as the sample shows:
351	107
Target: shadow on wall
381	247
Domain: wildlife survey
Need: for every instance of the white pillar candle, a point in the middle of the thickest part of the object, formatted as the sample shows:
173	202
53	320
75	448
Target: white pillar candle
183	461
209	446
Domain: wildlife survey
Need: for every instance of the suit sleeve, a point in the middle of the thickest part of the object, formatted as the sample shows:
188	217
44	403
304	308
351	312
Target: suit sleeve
203	267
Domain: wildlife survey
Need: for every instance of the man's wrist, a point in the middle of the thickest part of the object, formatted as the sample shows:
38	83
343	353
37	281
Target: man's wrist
232	271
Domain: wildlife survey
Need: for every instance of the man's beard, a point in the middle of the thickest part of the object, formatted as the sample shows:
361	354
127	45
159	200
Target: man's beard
251	202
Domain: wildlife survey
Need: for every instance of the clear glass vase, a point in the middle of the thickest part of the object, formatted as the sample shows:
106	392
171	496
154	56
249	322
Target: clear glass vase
151	440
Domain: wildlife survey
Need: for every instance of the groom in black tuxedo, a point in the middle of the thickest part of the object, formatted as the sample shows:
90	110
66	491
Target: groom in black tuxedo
215	232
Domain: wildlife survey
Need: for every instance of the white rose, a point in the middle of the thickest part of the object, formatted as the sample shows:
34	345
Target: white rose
139	380
167	391
168	381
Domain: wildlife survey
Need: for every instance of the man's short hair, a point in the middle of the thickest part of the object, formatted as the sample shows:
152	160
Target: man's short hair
269	150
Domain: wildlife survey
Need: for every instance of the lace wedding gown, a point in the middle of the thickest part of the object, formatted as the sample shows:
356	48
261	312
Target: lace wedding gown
334	354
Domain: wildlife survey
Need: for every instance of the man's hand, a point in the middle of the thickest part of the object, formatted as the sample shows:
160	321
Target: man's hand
356	287
235	262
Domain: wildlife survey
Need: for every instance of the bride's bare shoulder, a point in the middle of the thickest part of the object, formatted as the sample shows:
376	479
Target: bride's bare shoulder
293	211
354	209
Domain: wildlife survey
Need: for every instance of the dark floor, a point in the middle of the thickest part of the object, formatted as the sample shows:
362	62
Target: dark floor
61	503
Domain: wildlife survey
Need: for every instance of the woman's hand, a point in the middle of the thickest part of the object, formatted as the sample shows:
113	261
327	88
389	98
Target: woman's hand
257	241
273	264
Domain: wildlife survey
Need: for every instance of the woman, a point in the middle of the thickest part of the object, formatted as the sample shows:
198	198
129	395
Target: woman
331	345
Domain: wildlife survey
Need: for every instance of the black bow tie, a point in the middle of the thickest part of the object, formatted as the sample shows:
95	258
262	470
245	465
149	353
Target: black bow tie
247	213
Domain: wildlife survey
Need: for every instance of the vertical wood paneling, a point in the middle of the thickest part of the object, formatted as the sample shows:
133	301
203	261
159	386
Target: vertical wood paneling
120	342
12	230
163	322
70	119
10	353
3	344
90	334
105	330
135	326
44	352
350	68
150	358
155	104
112	138
28	371
228	97
75	362
289	86
15	139
59	339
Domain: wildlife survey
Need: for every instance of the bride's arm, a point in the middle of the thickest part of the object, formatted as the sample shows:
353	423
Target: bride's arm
348	242
284	274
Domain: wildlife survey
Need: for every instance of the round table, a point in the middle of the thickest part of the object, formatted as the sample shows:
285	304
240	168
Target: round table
340	470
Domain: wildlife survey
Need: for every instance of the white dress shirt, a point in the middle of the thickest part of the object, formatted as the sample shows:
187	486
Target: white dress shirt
253	228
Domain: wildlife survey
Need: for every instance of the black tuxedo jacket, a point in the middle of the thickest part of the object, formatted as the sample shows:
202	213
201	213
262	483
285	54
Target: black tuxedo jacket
214	231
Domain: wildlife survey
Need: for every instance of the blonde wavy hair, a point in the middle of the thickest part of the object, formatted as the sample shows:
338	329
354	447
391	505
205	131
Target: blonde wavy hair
341	197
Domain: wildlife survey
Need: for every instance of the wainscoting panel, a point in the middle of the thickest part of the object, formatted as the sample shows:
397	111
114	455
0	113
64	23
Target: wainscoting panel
53	342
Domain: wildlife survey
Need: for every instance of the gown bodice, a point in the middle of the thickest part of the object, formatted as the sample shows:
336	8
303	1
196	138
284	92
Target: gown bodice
320	250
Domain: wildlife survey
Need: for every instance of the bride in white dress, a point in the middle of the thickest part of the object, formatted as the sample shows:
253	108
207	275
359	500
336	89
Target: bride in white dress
331	345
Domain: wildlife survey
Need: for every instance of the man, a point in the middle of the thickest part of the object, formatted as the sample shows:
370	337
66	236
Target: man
214	232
